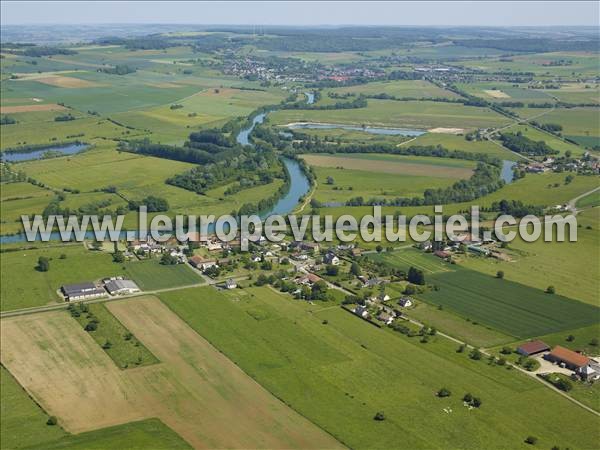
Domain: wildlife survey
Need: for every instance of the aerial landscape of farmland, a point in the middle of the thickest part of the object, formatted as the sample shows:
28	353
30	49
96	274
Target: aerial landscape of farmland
116	128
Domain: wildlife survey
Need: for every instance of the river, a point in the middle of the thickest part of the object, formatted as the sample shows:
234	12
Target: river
64	150
299	185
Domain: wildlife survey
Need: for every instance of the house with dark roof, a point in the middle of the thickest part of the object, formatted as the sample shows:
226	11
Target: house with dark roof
569	358
532	348
82	291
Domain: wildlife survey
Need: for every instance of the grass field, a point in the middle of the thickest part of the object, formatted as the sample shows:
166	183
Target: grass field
509	307
23	286
20	198
417	114
150	275
584	64
456	326
348	365
506	92
395	164
578	123
590	200
49	132
453	142
125	350
397	88
411	257
554	142
135	177
194	384
539	264
377	175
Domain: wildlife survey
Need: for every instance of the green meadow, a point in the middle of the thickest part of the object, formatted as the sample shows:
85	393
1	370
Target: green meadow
417	114
150	275
344	176
540	264
323	361
454	142
397	88
24	286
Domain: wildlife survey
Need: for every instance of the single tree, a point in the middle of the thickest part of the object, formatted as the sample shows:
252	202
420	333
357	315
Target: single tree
500	274
43	264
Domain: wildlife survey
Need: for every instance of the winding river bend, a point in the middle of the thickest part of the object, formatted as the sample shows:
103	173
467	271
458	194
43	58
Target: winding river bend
299	185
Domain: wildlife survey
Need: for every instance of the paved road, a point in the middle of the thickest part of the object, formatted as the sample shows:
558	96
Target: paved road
572	205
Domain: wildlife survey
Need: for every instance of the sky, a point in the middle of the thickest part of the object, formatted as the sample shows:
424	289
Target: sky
483	13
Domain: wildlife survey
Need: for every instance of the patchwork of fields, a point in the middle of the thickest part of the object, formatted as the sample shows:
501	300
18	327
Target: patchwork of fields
348	365
190	365
193	384
509	307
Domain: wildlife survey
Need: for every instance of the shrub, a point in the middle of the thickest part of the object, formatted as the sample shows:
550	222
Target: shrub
531	440
444	392
52	420
475	354
379	416
43	264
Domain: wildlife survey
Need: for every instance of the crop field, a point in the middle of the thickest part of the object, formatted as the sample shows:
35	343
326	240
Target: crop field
20	198
473	333
577	93
369	184
411	257
395	164
553	141
397	88
346	365
503	92
381	175
19	411
135	177
579	124
584	64
209	107
453	142
31	108
150	275
49	132
417	114
509	307
540	264
215	390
